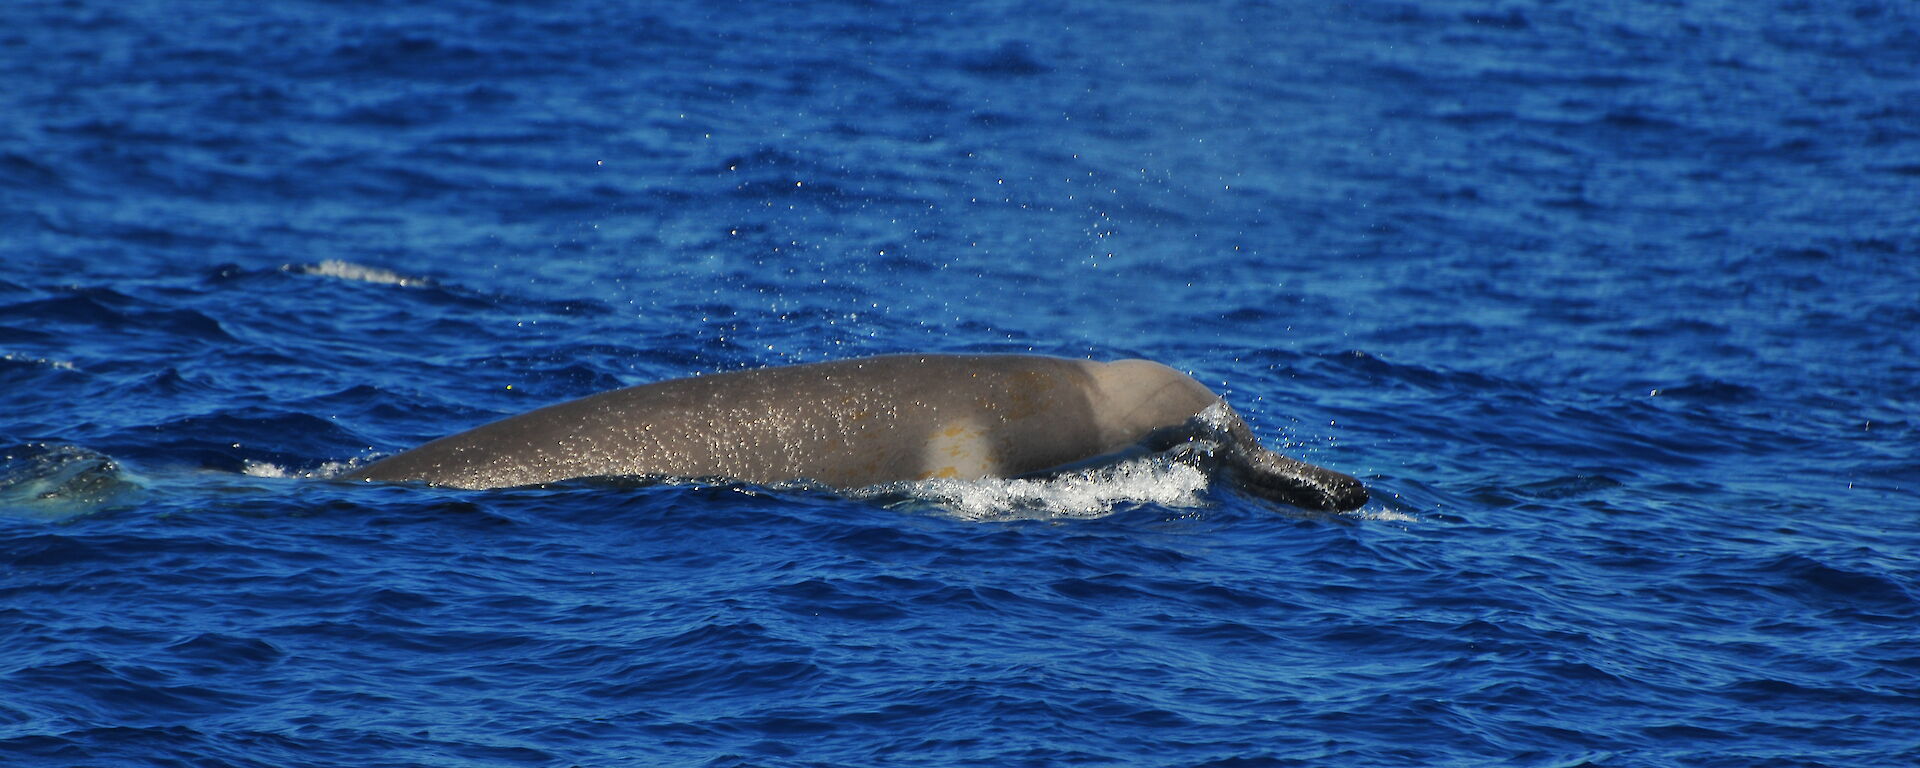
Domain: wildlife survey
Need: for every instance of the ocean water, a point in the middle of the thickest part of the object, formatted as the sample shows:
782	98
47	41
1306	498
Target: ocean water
1613	306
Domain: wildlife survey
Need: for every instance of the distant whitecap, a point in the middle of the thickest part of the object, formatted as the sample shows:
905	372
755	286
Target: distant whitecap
346	270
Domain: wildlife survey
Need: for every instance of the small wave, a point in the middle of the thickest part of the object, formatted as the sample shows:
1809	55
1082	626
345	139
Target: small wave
346	270
54	481
1089	493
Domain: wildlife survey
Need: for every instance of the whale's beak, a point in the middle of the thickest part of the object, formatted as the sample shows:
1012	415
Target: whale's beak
1286	480
1304	485
1236	453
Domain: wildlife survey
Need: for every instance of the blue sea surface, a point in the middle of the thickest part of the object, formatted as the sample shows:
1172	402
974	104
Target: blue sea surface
1614	306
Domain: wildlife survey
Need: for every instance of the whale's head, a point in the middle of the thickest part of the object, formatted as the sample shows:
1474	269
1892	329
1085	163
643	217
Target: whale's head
1148	402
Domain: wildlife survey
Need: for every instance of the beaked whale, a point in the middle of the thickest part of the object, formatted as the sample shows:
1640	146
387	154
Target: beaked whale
862	422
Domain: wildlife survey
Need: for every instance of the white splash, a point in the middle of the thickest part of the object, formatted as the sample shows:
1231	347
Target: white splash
346	270
331	469
1088	493
1218	416
1383	514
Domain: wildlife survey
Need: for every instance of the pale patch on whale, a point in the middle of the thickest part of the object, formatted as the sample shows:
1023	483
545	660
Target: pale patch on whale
960	449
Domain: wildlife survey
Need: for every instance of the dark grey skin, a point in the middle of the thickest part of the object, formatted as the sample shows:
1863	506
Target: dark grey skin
856	423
